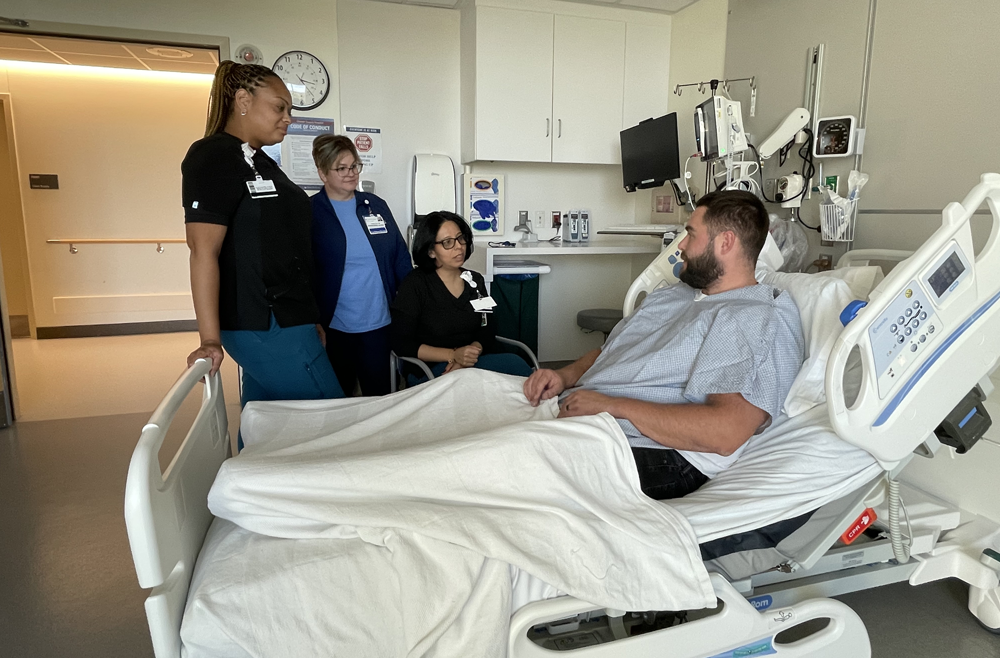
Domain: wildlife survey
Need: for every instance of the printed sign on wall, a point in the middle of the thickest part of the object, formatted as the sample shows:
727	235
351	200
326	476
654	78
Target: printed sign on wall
368	141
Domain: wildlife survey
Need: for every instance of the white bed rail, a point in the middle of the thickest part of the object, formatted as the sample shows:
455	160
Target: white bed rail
917	385
167	516
737	630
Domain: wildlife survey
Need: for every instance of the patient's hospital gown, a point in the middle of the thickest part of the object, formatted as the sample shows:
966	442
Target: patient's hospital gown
682	345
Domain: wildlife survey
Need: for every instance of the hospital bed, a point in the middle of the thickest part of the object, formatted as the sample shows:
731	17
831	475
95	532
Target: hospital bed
899	396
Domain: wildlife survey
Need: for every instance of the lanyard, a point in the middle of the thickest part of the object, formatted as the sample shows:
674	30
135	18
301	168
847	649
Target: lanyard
467	277
248	153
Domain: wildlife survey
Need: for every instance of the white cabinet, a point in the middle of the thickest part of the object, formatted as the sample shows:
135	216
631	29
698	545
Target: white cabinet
513	102
588	75
545	87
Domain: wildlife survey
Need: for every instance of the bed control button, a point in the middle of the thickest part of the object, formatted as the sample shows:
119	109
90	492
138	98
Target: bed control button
893	328
909	312
900	339
901	320
930	329
908	331
916	304
923	338
916	323
913	348
923	315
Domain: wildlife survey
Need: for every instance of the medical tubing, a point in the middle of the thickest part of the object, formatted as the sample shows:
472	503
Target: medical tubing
899	551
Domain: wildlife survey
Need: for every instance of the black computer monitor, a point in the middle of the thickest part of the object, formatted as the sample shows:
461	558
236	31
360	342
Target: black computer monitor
649	153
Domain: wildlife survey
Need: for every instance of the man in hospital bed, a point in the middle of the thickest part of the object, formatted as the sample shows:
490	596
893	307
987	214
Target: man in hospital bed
438	504
698	368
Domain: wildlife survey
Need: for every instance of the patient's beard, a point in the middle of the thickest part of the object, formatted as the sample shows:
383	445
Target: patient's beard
701	271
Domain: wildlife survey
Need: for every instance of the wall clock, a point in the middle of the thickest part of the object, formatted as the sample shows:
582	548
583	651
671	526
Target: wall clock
306	78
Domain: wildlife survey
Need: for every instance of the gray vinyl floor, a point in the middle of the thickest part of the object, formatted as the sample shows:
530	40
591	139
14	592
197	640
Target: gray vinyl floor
68	589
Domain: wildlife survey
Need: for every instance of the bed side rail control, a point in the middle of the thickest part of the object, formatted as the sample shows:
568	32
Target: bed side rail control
967	422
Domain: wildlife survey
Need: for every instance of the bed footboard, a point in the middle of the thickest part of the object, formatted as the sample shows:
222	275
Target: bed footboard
167	513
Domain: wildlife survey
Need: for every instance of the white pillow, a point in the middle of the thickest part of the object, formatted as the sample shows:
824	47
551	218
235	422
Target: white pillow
820	299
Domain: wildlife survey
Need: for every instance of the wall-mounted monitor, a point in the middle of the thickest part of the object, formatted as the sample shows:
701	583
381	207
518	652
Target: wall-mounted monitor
649	153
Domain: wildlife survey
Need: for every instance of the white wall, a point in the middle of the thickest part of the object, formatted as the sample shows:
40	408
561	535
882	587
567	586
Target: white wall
779	65
408	86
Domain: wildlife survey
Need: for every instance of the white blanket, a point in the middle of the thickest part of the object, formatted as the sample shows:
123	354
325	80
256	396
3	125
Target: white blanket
463	461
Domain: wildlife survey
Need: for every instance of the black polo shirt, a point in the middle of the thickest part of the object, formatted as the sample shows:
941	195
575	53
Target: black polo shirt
266	261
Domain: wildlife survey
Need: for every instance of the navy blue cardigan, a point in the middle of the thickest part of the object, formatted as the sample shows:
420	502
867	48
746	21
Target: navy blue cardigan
330	250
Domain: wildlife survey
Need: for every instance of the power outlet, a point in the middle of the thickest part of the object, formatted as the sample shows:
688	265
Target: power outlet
769	188
537	219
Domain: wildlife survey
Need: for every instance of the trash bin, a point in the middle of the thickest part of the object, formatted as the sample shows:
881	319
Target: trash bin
516	312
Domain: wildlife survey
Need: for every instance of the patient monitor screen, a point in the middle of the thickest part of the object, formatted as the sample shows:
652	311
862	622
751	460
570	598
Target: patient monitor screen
650	153
945	275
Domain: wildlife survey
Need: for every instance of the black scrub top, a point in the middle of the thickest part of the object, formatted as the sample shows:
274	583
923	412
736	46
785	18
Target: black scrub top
265	265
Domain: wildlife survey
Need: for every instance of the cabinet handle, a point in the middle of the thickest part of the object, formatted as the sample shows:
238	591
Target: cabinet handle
547	124
560	128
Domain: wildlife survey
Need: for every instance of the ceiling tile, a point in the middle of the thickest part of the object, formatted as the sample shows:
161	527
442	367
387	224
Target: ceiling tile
101	60
82	46
29	56
183	67
17	41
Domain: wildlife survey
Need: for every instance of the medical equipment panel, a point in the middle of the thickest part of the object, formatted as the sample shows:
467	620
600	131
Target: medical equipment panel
945	275
901	334
928	335
910	324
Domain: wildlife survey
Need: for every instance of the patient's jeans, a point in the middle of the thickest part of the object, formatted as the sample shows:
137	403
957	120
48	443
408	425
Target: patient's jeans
664	473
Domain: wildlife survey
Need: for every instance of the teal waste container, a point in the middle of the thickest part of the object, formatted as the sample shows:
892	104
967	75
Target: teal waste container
516	312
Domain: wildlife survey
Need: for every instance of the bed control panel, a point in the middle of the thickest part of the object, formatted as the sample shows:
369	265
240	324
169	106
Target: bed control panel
901	335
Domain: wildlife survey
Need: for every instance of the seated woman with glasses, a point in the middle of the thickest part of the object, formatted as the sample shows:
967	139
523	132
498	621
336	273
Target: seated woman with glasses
433	317
361	259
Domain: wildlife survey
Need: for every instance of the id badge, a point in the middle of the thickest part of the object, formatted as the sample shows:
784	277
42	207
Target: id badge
261	189
483	305
375	224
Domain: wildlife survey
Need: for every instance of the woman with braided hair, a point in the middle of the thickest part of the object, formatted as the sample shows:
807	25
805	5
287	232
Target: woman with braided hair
249	231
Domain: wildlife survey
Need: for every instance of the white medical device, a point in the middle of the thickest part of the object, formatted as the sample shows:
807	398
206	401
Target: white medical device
789	190
933	319
836	137
784	133
718	128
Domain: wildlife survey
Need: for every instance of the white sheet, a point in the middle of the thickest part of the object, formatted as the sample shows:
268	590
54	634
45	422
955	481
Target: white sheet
310	587
559	499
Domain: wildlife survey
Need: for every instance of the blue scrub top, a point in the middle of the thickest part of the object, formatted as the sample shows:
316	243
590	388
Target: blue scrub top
362	305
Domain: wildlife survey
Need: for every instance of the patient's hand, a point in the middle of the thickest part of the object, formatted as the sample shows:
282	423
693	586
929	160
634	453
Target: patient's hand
543	384
585	403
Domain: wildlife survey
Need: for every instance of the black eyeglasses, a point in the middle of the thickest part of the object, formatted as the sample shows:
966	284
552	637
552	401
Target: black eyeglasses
449	243
346	171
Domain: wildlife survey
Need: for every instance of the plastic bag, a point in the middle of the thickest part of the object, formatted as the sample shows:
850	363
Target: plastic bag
792	243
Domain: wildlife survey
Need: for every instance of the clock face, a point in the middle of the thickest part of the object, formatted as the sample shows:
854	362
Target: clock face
306	78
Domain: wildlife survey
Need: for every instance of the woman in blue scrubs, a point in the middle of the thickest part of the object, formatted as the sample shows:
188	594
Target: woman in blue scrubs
360	260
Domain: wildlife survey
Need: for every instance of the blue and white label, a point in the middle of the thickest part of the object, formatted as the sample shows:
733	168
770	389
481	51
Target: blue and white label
759	648
762	602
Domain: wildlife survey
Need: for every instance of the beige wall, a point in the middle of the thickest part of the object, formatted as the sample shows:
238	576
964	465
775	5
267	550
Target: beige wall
117	162
12	245
117	143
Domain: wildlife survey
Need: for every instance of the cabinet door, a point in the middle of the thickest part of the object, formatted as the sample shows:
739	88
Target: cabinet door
587	89
513	85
